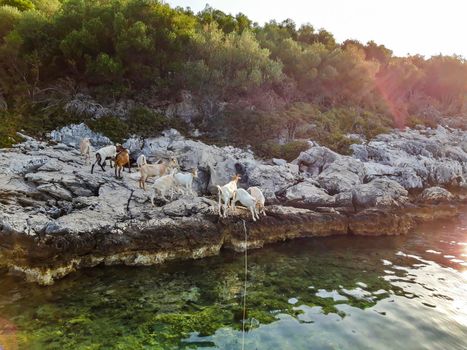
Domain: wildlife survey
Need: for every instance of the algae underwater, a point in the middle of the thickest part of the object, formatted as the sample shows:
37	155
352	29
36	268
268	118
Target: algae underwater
314	293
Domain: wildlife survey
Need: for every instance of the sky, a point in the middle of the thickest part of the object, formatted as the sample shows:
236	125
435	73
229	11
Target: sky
426	27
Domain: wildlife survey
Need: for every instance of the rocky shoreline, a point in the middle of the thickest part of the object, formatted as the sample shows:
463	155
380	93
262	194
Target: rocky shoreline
55	217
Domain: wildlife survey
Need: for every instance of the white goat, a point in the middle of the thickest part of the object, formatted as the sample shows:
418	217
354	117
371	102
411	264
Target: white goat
141	161
85	150
107	152
153	170
247	200
226	193
259	196
185	180
162	185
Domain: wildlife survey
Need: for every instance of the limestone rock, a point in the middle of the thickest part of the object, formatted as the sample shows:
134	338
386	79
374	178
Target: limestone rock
22	164
344	199
406	176
315	159
187	206
377	222
435	195
280	162
217	165
418	158
272	179
51	165
307	193
72	135
342	175
446	172
186	108
380	192
55	216
56	191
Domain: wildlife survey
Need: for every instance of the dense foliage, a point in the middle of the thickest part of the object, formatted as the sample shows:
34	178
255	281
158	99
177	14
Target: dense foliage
250	84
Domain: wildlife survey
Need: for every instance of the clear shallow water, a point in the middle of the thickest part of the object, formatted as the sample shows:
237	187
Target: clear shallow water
405	292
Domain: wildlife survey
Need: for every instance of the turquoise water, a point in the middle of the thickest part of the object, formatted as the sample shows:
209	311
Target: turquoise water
406	292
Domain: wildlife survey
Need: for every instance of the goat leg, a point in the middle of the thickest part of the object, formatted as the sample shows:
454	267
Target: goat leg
253	213
92	167
219	195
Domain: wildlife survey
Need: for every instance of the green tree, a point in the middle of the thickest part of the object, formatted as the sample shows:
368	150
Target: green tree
47	7
275	74
446	80
377	52
9	18
306	34
227	65
296	116
326	38
22	5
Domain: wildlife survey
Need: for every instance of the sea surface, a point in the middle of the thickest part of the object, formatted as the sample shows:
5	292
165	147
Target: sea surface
401	292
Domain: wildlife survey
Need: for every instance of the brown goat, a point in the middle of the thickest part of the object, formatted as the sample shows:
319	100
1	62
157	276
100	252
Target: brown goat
152	170
122	159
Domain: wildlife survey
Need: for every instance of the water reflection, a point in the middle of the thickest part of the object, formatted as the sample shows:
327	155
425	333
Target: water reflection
329	293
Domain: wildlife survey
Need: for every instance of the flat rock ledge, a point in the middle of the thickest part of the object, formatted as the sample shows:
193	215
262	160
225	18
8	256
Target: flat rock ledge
45	258
57	217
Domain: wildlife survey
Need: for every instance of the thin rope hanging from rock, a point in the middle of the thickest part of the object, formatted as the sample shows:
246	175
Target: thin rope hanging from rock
244	288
